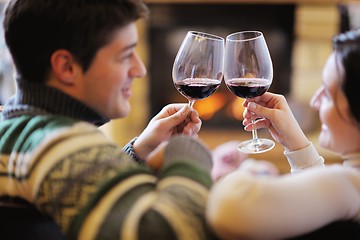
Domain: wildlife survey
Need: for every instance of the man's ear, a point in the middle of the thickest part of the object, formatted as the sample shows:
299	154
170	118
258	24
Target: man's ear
64	66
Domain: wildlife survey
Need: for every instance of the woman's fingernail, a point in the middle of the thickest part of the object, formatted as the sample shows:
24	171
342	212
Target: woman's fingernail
252	105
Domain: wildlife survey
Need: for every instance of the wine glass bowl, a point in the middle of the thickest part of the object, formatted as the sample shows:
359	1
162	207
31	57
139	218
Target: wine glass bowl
248	73
198	67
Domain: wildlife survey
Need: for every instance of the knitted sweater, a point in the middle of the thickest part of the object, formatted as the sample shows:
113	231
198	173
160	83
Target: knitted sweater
54	157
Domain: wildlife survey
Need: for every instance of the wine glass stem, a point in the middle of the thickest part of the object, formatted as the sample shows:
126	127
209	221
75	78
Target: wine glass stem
191	103
254	132
187	120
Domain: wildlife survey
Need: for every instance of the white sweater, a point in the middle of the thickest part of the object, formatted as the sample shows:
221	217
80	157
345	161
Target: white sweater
246	206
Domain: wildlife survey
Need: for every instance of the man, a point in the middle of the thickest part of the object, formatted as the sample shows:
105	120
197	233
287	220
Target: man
75	62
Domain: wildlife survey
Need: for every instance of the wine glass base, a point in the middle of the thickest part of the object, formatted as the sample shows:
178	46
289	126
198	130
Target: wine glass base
254	146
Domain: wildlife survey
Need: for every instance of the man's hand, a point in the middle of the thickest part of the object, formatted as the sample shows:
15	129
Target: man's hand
173	119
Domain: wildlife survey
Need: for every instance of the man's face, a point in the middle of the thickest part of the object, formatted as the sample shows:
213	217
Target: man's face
107	83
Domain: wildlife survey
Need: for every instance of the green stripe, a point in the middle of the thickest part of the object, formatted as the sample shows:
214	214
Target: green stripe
113	222
189	170
151	221
76	225
23	134
10	131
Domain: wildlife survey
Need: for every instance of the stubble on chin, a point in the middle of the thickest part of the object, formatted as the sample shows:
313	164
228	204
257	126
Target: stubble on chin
124	110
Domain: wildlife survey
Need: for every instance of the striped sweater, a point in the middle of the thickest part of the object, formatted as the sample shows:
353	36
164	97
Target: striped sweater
69	170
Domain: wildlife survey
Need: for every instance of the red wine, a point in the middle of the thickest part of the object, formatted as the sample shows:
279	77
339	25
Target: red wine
248	87
197	88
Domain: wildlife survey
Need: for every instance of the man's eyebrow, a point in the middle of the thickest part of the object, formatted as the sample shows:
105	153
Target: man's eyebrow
129	47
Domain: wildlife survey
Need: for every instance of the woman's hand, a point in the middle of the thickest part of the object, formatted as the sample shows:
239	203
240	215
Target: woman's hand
273	112
226	159
172	120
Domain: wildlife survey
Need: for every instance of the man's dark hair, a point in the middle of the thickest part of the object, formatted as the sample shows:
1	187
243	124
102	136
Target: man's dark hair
34	29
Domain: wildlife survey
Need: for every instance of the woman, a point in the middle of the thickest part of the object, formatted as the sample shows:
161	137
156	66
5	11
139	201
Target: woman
242	205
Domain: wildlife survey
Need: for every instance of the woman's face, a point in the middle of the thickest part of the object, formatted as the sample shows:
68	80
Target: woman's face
339	130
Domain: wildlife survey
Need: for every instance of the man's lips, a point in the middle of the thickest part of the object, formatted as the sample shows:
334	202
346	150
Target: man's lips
127	92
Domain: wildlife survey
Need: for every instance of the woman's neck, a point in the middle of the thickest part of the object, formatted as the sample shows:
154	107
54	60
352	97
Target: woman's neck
351	159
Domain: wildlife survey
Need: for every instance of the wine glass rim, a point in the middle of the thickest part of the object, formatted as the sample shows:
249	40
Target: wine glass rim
207	35
258	34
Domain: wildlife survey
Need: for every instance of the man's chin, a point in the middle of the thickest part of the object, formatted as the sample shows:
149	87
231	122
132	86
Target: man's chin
118	113
124	111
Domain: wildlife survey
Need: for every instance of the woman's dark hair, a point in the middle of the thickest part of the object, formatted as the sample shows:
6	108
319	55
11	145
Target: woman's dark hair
34	29
347	50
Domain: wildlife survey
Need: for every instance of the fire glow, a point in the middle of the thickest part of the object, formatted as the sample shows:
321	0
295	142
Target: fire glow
208	107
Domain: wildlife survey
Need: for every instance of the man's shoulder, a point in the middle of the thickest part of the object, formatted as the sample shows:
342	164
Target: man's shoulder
39	120
29	130
26	125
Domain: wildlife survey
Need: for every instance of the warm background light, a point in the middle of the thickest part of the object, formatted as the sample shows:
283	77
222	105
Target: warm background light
315	24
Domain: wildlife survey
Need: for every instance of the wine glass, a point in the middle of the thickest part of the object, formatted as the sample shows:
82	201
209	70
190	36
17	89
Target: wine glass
248	73
198	67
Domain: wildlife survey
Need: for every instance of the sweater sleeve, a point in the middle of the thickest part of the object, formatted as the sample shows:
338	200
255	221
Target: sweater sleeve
129	149
304	158
97	191
250	207
142	206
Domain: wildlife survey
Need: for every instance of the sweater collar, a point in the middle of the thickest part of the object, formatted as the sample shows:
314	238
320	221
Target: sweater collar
352	159
36	98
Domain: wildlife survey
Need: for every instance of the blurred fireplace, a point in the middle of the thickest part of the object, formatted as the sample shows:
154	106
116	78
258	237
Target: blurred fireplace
168	25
